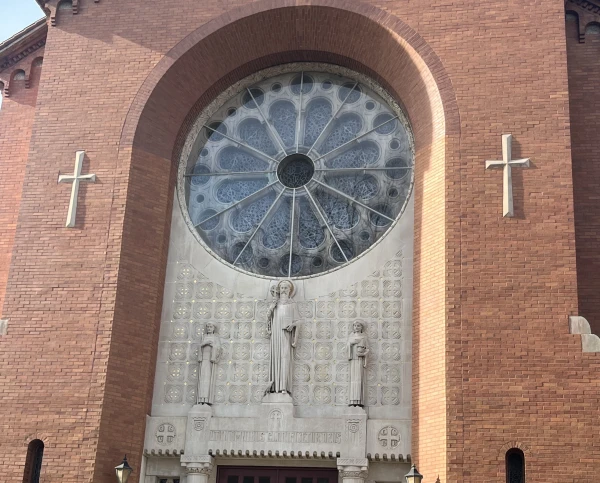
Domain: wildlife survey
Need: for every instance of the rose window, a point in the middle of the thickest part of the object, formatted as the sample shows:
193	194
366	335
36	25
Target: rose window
297	174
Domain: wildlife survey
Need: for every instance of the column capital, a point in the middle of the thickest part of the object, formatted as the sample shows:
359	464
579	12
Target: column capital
353	468
198	465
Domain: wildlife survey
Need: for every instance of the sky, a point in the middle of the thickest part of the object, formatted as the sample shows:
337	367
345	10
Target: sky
15	15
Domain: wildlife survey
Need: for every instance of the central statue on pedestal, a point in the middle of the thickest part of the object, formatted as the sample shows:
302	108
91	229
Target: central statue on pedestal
282	321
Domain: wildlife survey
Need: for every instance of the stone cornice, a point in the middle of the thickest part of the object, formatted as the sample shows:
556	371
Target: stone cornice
591	5
587	12
23	44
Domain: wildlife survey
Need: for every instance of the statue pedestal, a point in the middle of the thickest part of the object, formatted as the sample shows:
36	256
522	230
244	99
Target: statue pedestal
197	431
279	402
277	398
355	433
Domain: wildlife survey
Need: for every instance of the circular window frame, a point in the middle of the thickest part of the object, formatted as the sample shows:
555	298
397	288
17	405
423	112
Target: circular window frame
193	146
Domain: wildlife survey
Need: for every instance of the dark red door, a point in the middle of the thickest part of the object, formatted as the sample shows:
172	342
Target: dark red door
256	474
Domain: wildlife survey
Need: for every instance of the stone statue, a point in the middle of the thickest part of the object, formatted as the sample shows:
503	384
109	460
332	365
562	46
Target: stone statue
282	320
358	348
208	357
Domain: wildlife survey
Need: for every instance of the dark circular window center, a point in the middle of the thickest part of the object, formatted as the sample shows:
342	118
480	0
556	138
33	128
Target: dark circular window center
295	170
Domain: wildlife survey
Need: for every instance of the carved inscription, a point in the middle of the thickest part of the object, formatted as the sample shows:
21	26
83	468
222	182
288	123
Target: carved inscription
276	437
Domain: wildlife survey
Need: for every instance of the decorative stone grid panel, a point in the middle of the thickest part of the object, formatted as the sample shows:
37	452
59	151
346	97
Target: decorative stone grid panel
320	360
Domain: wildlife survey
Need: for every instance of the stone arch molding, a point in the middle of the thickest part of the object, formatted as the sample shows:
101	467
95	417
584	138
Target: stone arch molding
515	445
236	44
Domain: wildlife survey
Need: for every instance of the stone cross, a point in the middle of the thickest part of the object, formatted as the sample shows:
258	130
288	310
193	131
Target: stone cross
507	163
389	437
75	178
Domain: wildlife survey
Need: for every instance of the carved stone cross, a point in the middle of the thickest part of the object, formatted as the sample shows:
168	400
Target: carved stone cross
507	163
389	437
75	178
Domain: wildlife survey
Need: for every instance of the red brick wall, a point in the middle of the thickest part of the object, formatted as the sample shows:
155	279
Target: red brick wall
16	119
584	70
494	365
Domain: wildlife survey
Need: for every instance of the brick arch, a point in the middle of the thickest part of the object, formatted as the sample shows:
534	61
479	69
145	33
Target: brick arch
383	37
216	55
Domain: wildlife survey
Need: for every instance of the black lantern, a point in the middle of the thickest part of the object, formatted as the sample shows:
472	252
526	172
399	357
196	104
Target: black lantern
413	476
123	471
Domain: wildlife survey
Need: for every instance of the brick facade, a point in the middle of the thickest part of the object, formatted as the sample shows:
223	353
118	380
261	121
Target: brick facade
494	365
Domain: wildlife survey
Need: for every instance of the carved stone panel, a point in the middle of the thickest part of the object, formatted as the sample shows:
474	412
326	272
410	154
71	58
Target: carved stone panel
320	371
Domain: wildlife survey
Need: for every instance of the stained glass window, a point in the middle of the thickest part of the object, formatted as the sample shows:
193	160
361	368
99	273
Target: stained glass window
299	174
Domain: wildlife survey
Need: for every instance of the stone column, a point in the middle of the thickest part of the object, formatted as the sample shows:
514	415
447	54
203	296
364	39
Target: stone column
353	470
198	468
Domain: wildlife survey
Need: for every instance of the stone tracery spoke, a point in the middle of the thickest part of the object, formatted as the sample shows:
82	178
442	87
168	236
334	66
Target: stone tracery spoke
298	126
345	170
245	145
292	224
237	203
233	173
258	227
352	141
274	132
326	223
344	195
332	118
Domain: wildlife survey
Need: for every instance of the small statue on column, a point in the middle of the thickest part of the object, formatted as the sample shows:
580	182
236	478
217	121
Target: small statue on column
282	320
358	348
208	357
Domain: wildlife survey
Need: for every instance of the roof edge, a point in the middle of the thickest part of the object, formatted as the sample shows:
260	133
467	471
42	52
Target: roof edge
23	43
